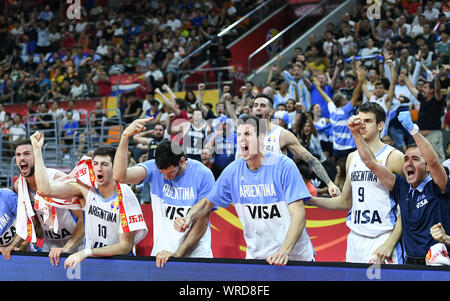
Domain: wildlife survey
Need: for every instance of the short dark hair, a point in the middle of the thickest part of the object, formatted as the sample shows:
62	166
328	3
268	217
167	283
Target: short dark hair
167	154
411	145
373	107
181	103
105	151
24	141
258	123
338	99
261	95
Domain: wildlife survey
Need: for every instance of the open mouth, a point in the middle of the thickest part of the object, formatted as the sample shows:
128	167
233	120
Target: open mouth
245	149
410	173
100	178
24	168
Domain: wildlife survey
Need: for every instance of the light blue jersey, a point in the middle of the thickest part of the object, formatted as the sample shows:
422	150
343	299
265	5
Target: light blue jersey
172	199
261	199
8	212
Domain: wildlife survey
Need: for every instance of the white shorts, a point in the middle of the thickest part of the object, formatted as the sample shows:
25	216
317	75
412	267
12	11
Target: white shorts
360	248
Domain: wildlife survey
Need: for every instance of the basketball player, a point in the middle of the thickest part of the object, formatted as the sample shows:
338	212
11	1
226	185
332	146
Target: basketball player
279	140
176	184
383	98
103	232
423	194
8	212
70	231
374	220
268	199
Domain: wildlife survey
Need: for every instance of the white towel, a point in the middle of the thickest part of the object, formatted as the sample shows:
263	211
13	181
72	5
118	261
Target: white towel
45	206
24	225
437	255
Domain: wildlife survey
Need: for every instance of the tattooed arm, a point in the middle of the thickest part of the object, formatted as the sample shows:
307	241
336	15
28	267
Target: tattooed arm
289	141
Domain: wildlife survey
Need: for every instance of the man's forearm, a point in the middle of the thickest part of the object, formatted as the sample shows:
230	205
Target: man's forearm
76	238
120	159
193	237
200	210
319	170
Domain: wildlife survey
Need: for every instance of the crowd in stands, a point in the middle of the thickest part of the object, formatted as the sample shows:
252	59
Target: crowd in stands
46	60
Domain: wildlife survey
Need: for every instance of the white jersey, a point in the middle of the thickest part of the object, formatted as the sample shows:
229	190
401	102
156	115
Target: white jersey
272	139
101	220
66	223
373	211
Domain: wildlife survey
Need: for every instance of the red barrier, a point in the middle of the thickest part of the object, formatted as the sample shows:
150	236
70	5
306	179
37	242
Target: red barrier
327	230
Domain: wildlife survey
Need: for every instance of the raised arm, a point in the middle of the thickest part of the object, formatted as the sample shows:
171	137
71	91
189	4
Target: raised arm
390	94
437	86
361	73
200	105
56	189
121	172
434	165
321	91
381	171
294	146
411	87
170	103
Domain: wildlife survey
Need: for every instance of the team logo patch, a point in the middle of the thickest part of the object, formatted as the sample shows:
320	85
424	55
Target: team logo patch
115	206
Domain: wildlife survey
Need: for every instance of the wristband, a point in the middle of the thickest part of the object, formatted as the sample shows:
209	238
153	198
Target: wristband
414	130
87	252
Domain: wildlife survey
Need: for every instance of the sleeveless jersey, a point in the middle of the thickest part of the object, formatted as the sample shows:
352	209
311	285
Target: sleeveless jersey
373	211
194	140
101	220
66	221
272	139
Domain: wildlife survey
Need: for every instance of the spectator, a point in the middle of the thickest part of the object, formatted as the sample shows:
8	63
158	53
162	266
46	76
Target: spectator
132	108
309	138
69	132
117	68
170	66
29	90
177	107
155	75
340	110
78	90
131	62
316	96
431	109
206	159
442	49
430	12
346	42
44	121
223	143
17	130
